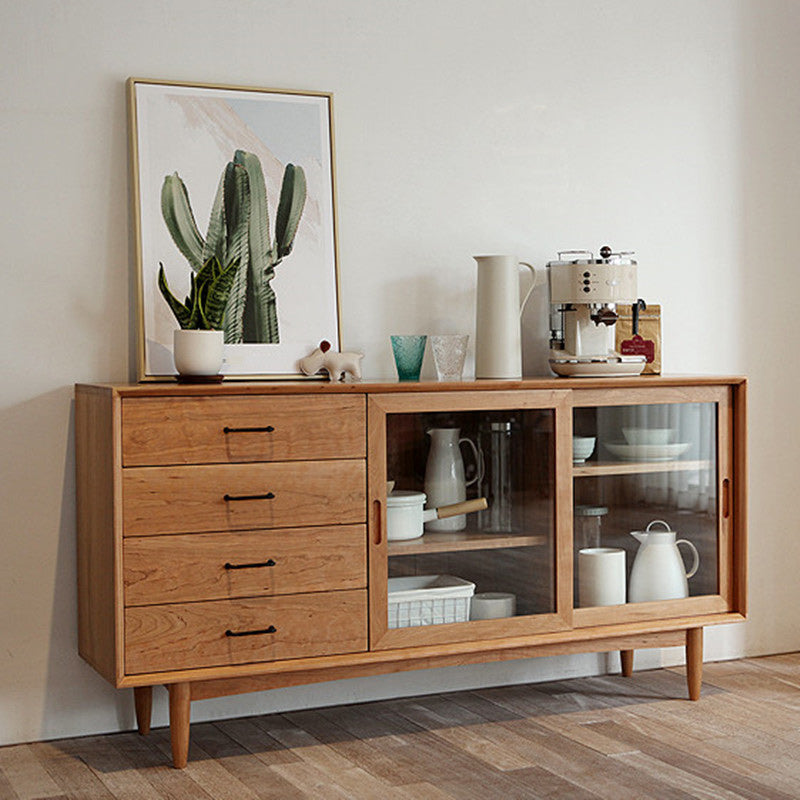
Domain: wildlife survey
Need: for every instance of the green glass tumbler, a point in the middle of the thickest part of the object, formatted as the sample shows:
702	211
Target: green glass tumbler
408	352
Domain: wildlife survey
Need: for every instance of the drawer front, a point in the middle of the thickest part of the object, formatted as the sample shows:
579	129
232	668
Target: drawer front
193	635
213	430
215	566
242	496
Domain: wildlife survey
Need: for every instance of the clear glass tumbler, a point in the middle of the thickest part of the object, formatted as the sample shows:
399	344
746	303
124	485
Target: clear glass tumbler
449	354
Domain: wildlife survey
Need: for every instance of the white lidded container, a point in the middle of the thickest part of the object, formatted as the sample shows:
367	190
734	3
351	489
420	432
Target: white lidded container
405	516
428	600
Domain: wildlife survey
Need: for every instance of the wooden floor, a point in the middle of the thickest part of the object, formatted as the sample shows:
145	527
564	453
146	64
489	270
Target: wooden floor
608	737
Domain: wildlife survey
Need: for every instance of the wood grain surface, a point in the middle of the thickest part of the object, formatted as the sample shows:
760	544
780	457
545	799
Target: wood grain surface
586	738
191	635
215	566
209	430
193	498
98	530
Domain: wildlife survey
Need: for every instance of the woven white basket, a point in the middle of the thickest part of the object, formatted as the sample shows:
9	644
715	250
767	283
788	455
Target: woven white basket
428	600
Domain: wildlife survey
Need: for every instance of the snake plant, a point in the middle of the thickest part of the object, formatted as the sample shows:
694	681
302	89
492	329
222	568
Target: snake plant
239	230
204	307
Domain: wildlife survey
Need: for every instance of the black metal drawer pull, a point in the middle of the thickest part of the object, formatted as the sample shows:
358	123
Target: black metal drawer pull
265	429
269	563
271	629
232	497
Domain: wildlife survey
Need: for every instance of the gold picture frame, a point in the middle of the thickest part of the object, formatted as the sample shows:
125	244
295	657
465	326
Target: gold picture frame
184	140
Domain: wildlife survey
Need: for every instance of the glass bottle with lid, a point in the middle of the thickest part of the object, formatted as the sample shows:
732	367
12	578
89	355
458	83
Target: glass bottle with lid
588	525
500	455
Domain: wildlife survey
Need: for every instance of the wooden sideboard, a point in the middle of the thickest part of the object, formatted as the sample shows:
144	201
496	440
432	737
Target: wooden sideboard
232	538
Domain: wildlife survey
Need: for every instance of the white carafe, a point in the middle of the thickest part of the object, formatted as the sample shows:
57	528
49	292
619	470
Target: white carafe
498	334
658	571
445	482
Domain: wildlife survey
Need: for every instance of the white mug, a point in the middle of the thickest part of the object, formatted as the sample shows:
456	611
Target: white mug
601	576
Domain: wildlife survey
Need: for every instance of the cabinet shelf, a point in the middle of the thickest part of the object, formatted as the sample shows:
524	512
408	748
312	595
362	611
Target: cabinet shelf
450	541
596	468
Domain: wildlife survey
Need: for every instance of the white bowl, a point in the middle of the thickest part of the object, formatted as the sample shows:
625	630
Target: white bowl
582	448
648	436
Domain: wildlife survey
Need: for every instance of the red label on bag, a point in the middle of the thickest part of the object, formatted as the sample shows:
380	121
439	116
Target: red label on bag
638	346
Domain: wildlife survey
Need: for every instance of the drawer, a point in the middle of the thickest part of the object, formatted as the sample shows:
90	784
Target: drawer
217	430
214	566
193	635
222	497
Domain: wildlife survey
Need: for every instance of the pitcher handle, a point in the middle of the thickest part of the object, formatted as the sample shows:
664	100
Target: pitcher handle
695	555
478	461
532	286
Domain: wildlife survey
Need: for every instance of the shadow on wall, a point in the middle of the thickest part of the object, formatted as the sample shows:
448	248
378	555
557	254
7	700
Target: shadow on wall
43	676
64	701
536	329
770	327
72	689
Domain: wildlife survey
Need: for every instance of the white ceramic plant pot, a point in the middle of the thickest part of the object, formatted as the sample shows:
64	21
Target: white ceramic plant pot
198	352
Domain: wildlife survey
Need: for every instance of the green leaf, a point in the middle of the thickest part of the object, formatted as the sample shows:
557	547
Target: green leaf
237	214
272	333
207	273
195	321
218	292
256	326
259	208
181	312
178	216
290	209
216	243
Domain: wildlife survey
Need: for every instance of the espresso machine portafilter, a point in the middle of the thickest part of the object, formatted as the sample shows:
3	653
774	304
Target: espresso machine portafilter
584	294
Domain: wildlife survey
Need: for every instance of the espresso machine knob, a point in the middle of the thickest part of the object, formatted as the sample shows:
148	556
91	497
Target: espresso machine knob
605	251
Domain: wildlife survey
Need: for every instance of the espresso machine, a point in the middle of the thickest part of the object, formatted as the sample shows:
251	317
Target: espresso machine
584	294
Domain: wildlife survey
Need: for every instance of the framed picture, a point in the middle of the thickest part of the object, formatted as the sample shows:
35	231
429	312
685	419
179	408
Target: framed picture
243	177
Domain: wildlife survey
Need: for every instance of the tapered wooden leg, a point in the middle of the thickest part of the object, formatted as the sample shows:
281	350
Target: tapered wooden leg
626	658
694	661
179	705
143	702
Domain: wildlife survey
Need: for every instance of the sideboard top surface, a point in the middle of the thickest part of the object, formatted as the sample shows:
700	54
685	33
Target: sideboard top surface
277	387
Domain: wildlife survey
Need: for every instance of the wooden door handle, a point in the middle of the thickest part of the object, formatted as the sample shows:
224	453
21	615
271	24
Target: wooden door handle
726	498
377	531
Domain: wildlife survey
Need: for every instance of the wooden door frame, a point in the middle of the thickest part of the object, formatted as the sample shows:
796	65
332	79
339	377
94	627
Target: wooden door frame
379	405
731	590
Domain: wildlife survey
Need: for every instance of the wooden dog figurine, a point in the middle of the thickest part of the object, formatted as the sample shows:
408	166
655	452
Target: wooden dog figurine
335	364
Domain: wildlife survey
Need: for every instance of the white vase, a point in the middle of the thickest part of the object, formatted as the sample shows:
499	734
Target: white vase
198	352
498	337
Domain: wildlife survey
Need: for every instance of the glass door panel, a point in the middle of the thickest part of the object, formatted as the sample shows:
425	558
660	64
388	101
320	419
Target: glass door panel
648	463
505	551
499	570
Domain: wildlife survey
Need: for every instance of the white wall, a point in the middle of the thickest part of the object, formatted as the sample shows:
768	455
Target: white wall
668	128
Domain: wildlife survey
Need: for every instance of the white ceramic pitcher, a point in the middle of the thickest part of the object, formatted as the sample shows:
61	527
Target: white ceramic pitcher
658	571
445	482
498	335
